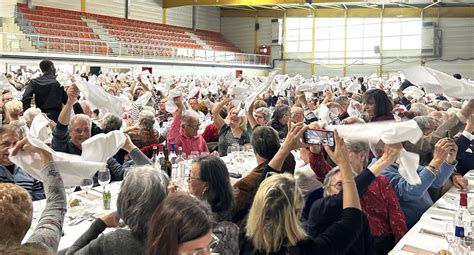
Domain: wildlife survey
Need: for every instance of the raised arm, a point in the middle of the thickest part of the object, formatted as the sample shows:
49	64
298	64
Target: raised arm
49	229
250	118
65	115
218	120
340	156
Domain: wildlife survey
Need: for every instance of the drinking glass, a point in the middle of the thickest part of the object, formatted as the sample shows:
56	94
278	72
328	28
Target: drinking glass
449	234
103	177
86	185
69	191
230	155
193	156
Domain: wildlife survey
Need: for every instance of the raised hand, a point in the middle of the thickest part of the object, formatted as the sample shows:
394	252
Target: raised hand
340	154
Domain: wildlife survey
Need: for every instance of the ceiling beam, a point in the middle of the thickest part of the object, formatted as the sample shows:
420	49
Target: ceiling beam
453	12
256	3
223	3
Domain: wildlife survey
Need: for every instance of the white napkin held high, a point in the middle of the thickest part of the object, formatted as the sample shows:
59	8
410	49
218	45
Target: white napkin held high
390	133
73	168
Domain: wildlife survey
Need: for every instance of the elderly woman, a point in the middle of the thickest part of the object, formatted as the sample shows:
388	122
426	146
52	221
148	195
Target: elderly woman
232	131
209	181
258	117
281	116
144	134
17	208
141	192
180	225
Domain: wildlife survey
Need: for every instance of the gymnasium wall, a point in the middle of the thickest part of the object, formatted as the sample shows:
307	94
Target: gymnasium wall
457	49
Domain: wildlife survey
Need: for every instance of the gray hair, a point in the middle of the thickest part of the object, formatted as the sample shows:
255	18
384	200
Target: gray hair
280	111
81	116
189	115
142	191
306	180
424	121
265	111
342	100
328	178
357	146
444	105
146	120
111	122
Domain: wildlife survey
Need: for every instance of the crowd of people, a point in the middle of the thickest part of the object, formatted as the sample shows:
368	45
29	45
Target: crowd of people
301	198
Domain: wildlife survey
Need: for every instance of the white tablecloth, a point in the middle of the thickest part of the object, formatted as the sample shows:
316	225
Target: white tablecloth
428	232
72	233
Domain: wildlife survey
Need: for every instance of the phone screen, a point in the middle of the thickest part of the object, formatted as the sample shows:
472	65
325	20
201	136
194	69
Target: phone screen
319	137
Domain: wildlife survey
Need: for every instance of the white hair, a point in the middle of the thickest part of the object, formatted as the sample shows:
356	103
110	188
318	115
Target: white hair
188	115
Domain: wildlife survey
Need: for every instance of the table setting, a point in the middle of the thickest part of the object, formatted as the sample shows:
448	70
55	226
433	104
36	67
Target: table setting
435	230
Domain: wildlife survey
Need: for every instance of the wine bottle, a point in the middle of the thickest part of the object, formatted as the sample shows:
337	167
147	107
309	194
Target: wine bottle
166	165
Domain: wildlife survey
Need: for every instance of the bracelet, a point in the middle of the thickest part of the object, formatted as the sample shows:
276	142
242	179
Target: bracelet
348	181
433	169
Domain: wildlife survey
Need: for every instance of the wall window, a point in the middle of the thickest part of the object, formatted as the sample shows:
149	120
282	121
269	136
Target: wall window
363	37
299	33
401	33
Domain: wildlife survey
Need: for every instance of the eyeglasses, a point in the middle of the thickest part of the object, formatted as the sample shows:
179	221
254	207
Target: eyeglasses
193	178
203	251
194	127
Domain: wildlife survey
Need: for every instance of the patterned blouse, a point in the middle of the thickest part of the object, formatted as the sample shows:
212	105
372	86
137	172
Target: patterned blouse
47	233
226	139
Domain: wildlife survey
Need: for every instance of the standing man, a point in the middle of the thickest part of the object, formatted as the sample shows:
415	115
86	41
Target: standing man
49	94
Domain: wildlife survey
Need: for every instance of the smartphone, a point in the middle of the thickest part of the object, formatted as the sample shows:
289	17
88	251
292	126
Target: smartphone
310	117
319	136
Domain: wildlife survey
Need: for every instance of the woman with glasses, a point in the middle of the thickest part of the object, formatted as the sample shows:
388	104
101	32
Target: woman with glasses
209	181
234	130
181	225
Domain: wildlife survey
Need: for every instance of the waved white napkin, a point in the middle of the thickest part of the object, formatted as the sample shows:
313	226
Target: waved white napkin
389	132
438	82
73	168
260	88
99	98
143	99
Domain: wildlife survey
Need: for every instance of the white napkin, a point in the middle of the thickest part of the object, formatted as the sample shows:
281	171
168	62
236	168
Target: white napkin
438	82
99	98
4	84
101	147
143	99
261	88
73	168
390	133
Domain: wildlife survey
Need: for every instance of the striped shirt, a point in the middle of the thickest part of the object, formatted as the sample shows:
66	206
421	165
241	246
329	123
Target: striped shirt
23	179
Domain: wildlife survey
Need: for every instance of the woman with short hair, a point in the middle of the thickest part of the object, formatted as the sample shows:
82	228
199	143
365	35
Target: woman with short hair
141	192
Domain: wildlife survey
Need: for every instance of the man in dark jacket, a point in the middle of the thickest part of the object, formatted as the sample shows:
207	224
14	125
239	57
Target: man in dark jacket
49	94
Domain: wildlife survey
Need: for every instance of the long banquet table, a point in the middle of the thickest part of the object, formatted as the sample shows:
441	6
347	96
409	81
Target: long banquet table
428	235
75	224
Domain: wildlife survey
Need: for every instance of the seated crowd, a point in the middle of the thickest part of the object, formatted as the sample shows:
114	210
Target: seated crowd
299	198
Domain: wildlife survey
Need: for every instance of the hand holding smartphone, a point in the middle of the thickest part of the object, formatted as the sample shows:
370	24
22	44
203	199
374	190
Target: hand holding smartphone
319	136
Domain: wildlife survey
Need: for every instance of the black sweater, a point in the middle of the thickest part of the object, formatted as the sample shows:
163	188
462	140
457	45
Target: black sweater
336	239
49	95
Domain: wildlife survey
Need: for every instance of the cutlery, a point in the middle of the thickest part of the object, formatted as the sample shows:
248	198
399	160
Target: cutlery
446	208
430	232
439	219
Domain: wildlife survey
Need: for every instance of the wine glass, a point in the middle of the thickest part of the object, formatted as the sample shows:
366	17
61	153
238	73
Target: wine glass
230	155
193	156
103	177
86	185
69	191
